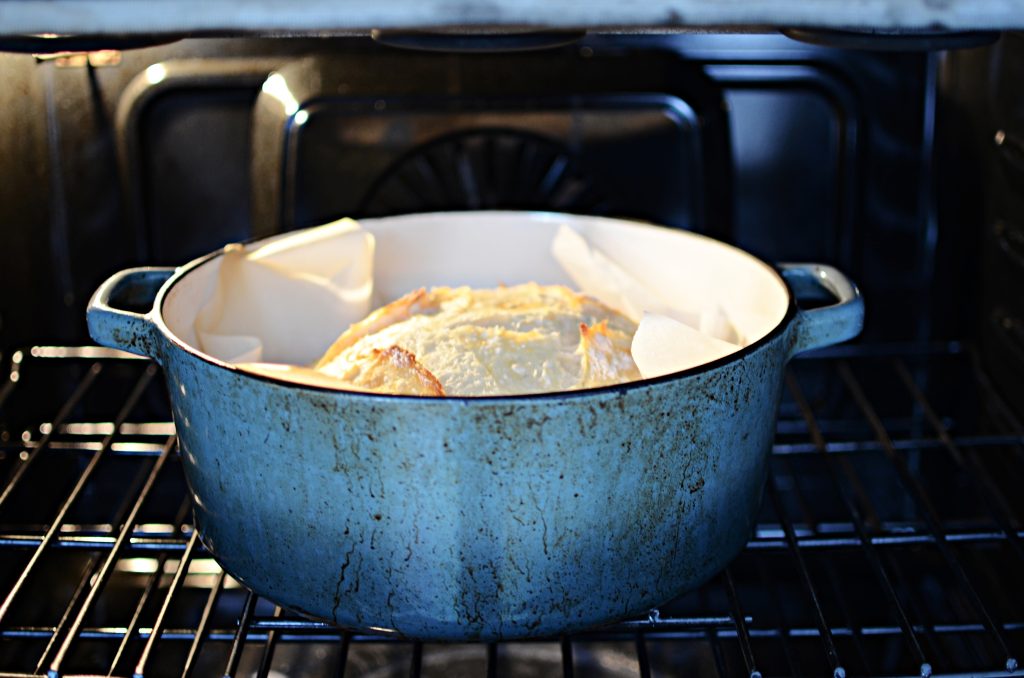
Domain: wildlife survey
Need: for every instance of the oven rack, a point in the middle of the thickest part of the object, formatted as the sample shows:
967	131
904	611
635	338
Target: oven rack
891	542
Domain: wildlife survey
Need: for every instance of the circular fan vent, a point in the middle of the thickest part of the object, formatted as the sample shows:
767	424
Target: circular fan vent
483	169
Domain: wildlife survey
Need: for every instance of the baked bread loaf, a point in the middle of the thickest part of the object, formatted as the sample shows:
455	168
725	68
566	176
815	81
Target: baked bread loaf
520	339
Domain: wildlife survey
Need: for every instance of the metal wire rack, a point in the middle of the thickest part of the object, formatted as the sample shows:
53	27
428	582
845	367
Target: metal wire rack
890	542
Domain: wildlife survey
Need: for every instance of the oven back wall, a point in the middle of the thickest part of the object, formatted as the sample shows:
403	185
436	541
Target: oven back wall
145	157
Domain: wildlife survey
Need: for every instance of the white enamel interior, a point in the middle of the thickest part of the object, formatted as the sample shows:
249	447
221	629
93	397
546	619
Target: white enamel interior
484	249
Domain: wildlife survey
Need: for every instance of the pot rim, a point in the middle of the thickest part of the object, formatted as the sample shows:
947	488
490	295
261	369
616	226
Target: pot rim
156	317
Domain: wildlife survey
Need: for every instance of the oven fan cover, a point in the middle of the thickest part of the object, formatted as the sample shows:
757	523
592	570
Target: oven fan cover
484	169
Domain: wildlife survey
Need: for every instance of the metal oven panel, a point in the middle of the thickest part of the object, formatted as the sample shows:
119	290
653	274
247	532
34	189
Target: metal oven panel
579	155
637	134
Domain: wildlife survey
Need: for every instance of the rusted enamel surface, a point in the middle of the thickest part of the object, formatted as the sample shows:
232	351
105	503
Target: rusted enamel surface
489	518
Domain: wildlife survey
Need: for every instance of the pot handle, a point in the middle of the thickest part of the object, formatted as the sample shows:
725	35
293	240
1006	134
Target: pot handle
123	329
830	324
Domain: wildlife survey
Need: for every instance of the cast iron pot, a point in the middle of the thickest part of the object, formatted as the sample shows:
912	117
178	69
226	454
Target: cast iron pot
483	518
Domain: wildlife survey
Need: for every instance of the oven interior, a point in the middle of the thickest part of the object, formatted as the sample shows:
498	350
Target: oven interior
892	523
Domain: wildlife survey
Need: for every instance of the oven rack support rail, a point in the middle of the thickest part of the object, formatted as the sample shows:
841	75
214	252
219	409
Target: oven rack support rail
839	417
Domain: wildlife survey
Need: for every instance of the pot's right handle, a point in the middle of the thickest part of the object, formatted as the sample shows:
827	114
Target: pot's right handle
124	329
826	325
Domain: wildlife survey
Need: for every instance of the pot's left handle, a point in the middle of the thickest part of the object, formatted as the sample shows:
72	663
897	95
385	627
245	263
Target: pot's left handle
111	315
829	324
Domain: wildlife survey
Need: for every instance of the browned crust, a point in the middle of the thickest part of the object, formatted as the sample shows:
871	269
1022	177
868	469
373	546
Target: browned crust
588	332
398	357
398	310
602	359
392	370
603	347
385	369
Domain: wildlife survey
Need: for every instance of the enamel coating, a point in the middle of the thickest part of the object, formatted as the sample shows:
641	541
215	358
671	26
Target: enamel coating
489	518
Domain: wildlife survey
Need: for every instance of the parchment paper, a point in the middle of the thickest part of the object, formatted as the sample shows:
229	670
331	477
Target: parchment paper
279	304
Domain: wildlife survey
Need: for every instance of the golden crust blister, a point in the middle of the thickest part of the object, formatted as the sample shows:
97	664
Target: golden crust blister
605	354
398	310
508	340
392	370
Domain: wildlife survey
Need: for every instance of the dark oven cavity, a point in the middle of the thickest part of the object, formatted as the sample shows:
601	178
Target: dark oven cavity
889	541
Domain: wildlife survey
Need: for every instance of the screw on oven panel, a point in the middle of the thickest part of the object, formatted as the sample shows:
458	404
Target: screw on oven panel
1012	148
1003	139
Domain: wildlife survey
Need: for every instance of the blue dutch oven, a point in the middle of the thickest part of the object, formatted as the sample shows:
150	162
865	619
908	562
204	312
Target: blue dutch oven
484	518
